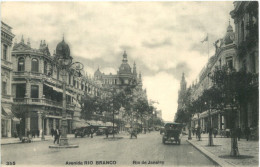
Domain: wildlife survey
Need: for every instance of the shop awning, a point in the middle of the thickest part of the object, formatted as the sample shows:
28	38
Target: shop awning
7	112
58	89
79	124
15	119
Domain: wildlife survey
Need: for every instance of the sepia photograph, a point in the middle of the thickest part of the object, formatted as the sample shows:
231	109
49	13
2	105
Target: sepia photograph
130	83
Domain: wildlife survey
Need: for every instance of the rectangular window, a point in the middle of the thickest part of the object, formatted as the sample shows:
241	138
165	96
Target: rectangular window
4	88
34	91
244	65
5	52
253	62
229	62
20	90
74	83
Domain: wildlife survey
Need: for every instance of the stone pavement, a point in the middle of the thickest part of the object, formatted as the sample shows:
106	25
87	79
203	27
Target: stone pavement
249	151
12	140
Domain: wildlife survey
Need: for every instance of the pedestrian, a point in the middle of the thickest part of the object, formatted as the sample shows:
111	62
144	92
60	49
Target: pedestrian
239	132
92	132
52	132
193	131
215	132
33	133
56	134
247	133
106	132
198	132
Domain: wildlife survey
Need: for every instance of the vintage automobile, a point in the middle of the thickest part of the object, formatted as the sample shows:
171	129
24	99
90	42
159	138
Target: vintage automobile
83	131
101	131
172	132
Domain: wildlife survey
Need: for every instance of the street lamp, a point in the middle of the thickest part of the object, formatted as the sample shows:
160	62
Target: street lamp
64	62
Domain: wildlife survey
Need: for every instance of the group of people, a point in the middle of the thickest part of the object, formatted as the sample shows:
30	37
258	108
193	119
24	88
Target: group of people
33	133
56	133
237	132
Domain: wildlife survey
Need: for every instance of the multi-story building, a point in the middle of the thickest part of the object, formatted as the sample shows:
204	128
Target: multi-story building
37	87
245	15
7	120
125	77
237	50
225	55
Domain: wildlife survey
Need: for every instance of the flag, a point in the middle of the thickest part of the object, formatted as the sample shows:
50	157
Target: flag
206	39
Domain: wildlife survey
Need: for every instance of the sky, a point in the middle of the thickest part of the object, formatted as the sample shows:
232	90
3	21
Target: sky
163	38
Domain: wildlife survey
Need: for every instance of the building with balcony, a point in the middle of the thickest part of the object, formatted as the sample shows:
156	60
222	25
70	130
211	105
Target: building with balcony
245	15
37	87
237	50
8	121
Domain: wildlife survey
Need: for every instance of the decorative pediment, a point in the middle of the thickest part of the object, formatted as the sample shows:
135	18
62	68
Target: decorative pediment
21	47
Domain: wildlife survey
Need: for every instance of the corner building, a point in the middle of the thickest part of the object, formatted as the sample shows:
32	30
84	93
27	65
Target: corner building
37	87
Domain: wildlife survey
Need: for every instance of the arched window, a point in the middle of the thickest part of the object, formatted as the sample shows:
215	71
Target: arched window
45	67
21	64
35	65
58	73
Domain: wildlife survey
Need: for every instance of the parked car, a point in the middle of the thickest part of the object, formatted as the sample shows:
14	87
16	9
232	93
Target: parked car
100	131
83	131
172	133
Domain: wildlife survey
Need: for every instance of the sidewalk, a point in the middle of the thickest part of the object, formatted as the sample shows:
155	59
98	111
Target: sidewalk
222	147
12	140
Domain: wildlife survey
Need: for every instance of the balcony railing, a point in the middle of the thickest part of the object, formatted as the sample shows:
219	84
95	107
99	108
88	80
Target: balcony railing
42	101
37	101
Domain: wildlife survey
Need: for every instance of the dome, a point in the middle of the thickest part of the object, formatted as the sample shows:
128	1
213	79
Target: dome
230	35
125	68
63	49
97	73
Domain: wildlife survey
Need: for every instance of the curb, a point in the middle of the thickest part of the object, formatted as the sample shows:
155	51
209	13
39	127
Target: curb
211	156
19	142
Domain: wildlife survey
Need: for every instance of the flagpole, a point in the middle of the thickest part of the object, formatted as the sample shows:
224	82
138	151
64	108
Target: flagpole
208	45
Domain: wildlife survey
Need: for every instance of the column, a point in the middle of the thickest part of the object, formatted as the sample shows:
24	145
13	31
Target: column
40	124
219	122
59	123
9	122
54	123
47	126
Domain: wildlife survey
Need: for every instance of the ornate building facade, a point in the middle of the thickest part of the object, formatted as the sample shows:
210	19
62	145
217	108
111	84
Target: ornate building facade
37	87
125	76
7	120
237	50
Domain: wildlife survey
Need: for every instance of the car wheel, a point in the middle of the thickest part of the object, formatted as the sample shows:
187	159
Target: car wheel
163	140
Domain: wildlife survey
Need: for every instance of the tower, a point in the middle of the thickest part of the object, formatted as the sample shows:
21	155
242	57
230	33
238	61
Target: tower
183	83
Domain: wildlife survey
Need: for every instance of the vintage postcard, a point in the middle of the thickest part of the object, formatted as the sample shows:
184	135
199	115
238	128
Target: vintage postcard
122	83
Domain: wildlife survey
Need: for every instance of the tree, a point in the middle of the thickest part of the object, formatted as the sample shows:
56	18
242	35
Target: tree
21	112
232	87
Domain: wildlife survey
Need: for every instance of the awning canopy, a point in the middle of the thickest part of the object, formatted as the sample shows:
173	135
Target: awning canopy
7	112
58	89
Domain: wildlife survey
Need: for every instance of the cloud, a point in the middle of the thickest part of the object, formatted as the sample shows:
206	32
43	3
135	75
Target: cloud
181	67
163	38
154	43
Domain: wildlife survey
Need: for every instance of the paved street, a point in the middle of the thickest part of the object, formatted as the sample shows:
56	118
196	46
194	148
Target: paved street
148	147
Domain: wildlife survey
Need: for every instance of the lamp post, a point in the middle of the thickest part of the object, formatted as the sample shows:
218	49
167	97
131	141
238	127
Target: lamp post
64	62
